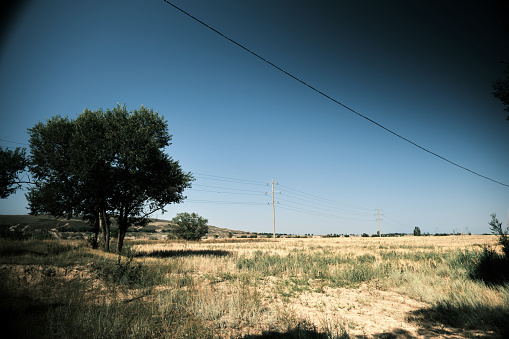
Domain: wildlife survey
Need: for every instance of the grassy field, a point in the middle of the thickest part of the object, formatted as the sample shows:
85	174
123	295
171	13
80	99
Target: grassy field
251	288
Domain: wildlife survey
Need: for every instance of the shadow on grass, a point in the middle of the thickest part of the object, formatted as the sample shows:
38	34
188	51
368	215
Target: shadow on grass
463	320
296	333
183	253
299	333
397	333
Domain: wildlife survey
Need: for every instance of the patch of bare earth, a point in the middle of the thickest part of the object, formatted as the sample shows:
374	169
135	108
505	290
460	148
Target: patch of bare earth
366	312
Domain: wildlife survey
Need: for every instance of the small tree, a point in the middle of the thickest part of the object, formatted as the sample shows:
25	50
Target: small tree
417	232
496	228
189	226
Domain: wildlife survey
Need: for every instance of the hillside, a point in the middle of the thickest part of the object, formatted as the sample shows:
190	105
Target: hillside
43	224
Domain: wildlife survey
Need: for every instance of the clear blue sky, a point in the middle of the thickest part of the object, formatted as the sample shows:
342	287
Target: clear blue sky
421	69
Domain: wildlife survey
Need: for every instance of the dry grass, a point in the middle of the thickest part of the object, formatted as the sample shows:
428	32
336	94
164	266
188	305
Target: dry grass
312	287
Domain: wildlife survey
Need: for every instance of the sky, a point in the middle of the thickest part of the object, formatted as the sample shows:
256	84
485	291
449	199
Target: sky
421	69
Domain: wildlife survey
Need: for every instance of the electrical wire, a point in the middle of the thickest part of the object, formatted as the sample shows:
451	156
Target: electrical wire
219	192
395	227
225	202
330	98
301	210
403	224
323	207
328	204
217	177
228	188
14	142
235	181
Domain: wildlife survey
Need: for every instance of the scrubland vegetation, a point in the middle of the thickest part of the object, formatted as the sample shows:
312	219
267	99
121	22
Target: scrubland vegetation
252	288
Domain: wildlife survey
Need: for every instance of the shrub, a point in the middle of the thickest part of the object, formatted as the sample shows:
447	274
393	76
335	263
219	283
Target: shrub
189	226
492	267
496	228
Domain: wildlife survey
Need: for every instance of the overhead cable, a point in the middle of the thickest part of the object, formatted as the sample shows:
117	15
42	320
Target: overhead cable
330	98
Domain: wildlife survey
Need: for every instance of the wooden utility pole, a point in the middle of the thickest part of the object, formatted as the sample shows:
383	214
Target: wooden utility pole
273	212
379	228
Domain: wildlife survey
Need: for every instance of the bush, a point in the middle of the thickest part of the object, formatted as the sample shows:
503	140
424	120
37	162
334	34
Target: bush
492	267
189	226
16	233
496	228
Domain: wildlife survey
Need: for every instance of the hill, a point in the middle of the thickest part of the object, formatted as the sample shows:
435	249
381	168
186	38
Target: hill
61	227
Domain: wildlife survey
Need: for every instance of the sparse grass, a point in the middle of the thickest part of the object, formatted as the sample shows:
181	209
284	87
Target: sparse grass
242	289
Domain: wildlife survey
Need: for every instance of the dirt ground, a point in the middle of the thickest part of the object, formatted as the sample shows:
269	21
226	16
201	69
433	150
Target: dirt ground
365	312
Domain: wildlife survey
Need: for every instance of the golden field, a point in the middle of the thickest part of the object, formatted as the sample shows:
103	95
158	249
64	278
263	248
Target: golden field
408	287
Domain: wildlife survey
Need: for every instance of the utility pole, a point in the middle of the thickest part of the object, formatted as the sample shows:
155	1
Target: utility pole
273	212
379	228
274	209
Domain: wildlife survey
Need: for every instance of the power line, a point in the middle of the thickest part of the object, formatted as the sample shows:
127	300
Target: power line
220	178
219	192
225	202
328	205
14	142
305	194
320	208
330	98
306	211
395	227
399	222
227	188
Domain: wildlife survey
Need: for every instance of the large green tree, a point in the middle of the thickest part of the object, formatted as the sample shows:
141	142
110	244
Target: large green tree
105	164
12	164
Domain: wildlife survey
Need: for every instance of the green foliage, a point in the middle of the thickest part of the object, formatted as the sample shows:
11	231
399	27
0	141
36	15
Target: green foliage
496	228
355	270
491	267
501	89
12	163
365	235
417	232
189	226
104	163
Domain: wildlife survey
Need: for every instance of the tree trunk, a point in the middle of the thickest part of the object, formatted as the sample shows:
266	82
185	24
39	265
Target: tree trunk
106	221
122	228
95	237
105	230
